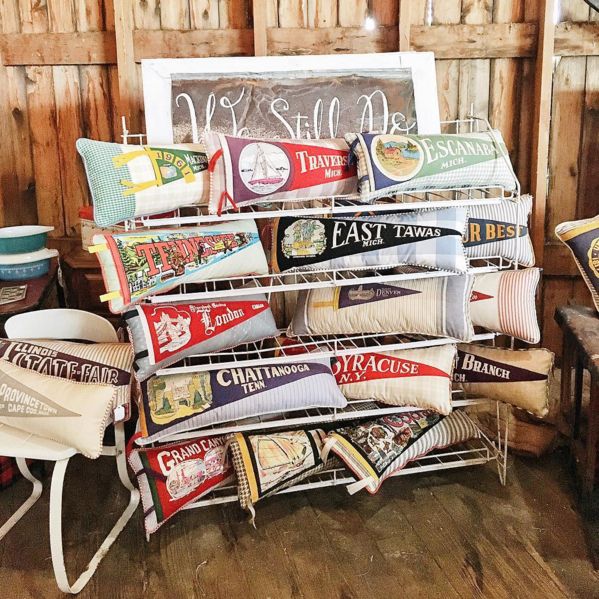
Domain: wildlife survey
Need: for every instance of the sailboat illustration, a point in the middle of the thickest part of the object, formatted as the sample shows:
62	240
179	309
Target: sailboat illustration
264	172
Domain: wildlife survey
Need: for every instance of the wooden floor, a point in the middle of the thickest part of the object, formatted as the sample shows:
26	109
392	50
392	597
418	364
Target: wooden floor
456	534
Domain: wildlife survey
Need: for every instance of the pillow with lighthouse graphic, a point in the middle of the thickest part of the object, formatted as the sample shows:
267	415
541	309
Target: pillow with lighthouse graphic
138	264
390	164
505	302
501	230
172	476
425	238
175	403
411	377
163	334
246	171
127	181
518	377
438	306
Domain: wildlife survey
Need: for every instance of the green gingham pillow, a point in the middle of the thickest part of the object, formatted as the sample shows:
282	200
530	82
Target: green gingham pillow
127	181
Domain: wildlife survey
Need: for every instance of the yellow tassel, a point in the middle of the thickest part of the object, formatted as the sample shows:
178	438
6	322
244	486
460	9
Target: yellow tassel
110	296
94	249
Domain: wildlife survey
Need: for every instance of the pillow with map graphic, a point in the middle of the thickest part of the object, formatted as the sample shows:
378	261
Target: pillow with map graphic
269	462
505	302
437	306
582	239
175	403
371	449
163	334
410	377
426	238
390	164
373	454
501	230
69	412
172	476
246	171
142	263
518	377
127	181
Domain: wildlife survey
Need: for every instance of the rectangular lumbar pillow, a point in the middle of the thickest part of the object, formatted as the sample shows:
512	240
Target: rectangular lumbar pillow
68	412
246	171
390	164
430	238
127	181
518	377
107	363
163	334
437	306
173	476
410	377
268	462
143	263
505	302
501	230
376	450
180	402
582	238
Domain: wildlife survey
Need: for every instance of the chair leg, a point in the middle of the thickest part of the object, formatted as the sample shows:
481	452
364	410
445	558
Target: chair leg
56	530
26	506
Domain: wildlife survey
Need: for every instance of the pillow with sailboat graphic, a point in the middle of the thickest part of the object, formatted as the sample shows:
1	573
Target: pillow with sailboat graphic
411	377
518	377
425	238
176	403
437	306
127	181
501	230
163	334
138	264
172	476
390	164
246	171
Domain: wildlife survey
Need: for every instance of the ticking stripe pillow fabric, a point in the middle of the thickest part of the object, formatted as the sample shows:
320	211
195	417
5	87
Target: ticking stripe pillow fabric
505	302
501	230
410	377
127	181
427	238
390	164
438	306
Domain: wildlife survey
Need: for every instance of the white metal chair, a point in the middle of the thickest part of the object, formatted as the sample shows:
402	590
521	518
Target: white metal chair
74	325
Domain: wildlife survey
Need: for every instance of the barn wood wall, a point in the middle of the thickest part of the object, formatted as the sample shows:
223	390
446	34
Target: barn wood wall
70	68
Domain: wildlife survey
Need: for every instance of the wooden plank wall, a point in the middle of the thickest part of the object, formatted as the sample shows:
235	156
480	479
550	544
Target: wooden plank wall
71	68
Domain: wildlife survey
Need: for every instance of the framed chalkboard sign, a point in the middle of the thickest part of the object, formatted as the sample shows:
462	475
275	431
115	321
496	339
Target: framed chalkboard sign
297	97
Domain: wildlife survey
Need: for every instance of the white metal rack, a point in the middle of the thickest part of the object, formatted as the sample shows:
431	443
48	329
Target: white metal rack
283	350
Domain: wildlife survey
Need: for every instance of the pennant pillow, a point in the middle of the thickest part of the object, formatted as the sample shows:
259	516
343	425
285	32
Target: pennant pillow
163	334
139	264
390	164
505	302
374	451
501	230
269	462
517	377
246	171
431	239
582	238
68	412
127	181
170	477
410	377
438	307
175	403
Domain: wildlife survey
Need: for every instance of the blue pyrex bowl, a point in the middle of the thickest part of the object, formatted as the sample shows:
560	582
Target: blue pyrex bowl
22	267
24	238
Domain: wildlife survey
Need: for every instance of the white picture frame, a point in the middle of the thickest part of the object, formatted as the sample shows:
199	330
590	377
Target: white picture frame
160	75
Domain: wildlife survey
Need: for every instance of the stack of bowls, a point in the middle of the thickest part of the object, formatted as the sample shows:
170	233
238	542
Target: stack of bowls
23	252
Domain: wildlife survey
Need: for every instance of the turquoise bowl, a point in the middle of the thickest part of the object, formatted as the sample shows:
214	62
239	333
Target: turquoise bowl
22	267
23	239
